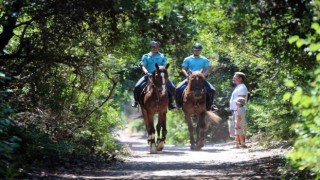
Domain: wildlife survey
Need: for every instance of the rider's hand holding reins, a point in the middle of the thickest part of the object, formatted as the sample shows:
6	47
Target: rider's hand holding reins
148	74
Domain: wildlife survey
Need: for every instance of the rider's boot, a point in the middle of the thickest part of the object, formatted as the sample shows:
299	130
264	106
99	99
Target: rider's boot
135	96
208	104
171	105
177	102
208	107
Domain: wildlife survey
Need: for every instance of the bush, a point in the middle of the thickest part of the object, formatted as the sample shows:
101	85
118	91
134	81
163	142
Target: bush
306	101
8	142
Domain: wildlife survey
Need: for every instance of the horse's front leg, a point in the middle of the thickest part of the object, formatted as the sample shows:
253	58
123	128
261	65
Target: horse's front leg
201	128
151	132
161	125
190	128
146	123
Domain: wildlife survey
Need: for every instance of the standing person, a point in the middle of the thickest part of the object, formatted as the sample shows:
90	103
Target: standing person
196	62
240	123
239	91
149	61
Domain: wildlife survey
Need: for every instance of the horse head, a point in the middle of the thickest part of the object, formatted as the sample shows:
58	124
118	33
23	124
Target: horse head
196	84
160	76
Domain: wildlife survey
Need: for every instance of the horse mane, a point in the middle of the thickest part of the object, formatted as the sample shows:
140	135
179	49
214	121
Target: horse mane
193	75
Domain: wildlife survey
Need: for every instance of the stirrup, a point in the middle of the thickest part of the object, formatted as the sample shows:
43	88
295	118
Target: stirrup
214	108
135	105
243	146
172	106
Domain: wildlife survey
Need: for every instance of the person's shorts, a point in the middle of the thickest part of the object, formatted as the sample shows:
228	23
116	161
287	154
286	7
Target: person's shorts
240	131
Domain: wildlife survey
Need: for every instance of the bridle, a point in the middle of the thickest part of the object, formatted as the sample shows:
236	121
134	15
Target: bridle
160	85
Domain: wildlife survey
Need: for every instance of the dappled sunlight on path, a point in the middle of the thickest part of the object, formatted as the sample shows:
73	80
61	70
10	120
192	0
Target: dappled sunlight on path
213	161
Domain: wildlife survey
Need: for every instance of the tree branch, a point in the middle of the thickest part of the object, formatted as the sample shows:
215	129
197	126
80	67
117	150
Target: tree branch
114	85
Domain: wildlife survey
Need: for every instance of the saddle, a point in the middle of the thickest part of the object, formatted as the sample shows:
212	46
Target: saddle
141	94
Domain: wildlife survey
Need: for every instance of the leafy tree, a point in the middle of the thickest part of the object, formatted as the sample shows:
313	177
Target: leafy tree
8	142
64	60
71	62
306	102
251	36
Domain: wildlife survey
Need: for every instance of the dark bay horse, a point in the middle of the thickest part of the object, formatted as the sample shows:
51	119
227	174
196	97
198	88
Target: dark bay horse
194	105
156	101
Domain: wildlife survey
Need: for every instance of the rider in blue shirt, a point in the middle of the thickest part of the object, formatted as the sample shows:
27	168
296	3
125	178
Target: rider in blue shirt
148	67
196	62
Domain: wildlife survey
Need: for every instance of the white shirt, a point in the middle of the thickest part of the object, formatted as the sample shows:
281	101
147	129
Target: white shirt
240	90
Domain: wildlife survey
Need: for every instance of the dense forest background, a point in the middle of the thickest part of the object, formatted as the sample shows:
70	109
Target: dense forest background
67	70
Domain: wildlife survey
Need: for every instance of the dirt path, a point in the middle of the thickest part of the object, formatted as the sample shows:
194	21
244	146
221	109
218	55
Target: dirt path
214	161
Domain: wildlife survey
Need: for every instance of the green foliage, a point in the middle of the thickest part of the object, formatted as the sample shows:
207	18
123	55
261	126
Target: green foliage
103	127
8	142
74	66
251	36
66	60
178	133
306	101
37	148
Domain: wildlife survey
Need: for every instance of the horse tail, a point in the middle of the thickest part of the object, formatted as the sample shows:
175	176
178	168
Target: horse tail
213	117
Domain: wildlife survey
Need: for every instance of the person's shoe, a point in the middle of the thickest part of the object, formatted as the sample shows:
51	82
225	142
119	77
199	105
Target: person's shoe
235	147
172	106
243	146
135	104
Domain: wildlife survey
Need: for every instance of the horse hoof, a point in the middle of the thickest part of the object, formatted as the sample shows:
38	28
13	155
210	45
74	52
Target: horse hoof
160	146
193	147
200	145
198	148
153	149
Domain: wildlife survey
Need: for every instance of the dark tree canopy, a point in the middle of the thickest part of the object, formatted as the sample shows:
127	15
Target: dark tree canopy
67	68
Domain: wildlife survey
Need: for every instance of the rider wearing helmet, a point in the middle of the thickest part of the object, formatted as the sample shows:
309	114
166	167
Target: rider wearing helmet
148	67
196	62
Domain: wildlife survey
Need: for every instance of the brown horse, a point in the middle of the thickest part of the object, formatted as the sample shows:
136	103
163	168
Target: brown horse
156	101
194	105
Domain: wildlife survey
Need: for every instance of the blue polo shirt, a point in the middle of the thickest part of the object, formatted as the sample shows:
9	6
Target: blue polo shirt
149	61
196	64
